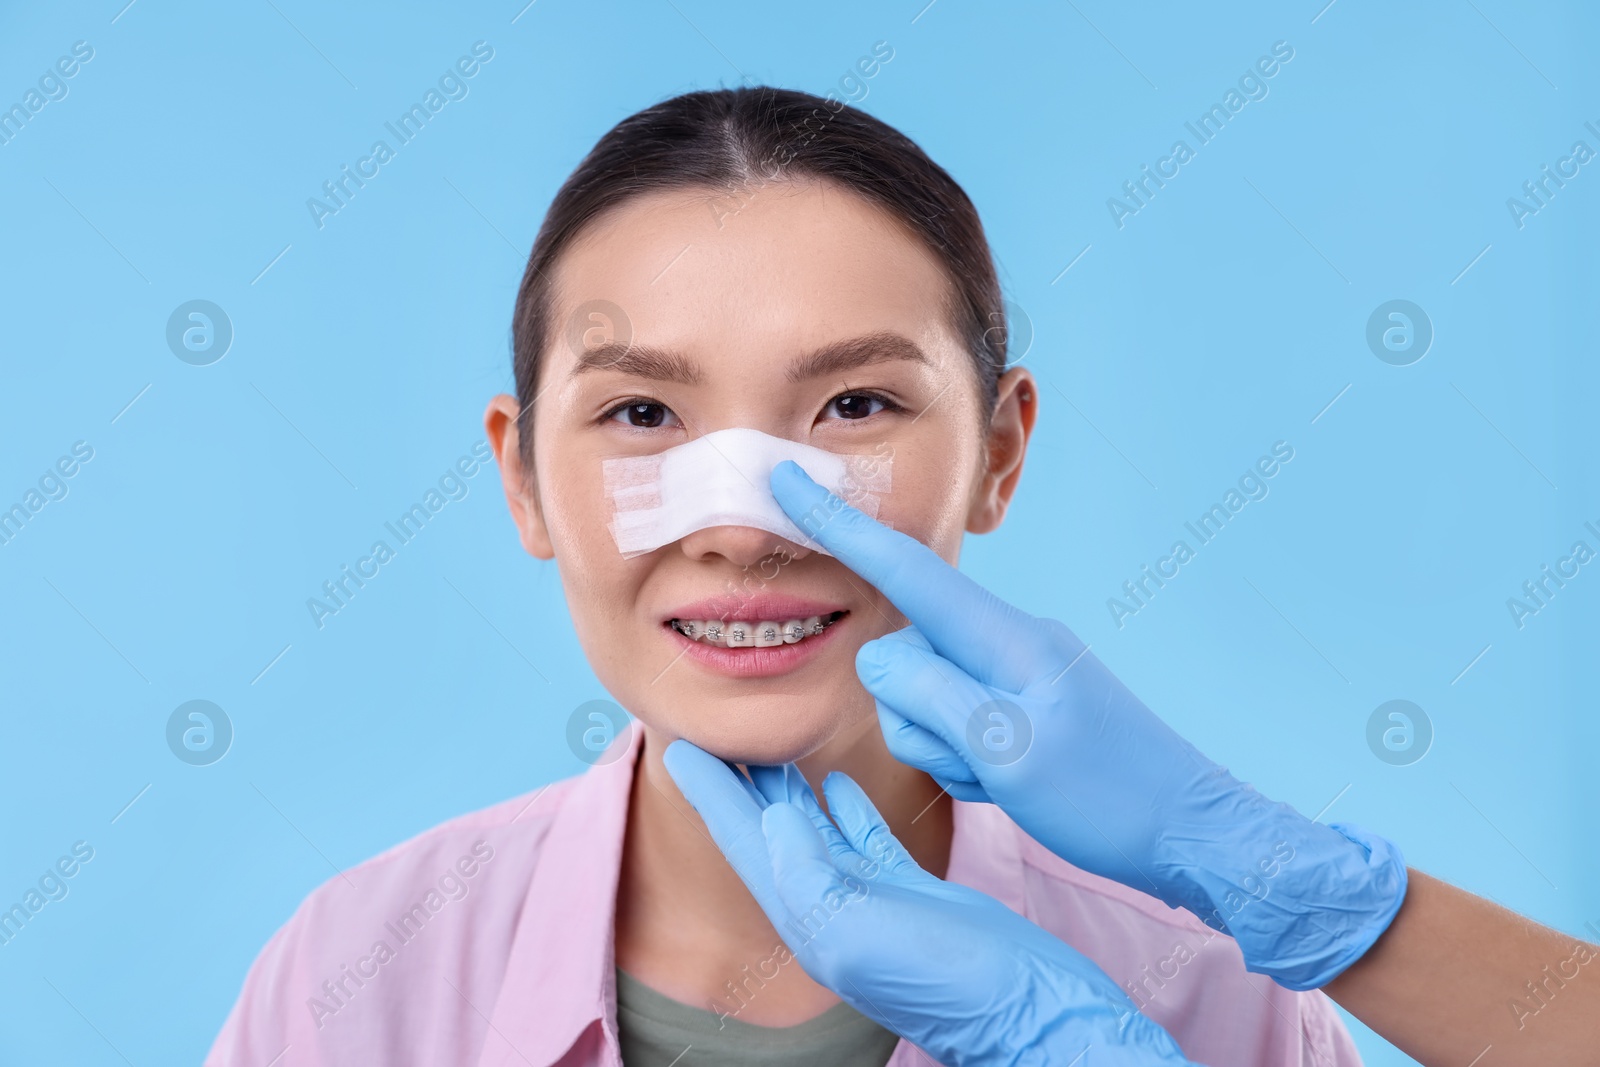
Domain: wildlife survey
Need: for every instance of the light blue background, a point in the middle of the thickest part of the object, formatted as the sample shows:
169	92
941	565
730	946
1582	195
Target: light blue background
1224	316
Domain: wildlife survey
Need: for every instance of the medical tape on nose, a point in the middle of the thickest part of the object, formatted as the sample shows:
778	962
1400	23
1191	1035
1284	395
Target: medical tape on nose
722	479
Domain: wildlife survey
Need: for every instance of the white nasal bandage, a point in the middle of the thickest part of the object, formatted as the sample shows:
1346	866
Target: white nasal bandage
722	479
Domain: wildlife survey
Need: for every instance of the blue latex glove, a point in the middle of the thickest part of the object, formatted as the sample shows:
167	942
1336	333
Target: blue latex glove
1001	706
951	970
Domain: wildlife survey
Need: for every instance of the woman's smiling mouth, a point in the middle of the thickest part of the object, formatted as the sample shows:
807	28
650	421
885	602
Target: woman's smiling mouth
765	633
753	637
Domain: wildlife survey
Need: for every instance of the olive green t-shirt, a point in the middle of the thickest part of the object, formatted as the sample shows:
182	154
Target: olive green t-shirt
657	1031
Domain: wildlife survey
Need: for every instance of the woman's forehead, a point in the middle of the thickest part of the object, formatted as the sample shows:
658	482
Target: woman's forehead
801	263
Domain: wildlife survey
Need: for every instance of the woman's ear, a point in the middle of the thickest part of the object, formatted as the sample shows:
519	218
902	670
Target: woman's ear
1016	407
522	494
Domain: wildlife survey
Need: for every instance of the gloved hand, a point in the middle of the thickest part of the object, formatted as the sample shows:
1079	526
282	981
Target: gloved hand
951	970
999	705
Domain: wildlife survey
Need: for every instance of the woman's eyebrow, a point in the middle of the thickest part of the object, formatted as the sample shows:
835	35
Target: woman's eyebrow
665	365
837	356
639	361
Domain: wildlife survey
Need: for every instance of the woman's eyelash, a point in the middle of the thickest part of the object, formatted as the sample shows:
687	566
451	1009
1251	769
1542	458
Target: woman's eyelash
630	402
888	404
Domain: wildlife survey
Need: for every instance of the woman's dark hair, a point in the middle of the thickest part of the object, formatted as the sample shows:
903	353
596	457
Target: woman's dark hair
728	138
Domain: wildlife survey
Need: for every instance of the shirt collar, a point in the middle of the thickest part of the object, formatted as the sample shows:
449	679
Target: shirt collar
560	975
559	978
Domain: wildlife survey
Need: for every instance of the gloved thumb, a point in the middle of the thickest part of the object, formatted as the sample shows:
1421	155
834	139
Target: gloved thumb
926	751
924	688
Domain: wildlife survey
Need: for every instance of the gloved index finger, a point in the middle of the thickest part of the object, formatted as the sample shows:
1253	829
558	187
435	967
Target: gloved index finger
966	624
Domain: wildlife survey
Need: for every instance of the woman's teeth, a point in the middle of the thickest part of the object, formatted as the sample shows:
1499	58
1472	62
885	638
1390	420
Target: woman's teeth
738	633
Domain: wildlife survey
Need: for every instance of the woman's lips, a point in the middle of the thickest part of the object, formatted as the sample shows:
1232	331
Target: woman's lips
750	661
753	607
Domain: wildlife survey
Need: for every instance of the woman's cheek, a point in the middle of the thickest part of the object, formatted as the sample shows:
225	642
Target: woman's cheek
928	501
576	512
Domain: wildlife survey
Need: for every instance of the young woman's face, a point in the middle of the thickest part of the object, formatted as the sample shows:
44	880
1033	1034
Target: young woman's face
724	299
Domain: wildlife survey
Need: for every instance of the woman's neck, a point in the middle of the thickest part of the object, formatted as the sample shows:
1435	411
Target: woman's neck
687	926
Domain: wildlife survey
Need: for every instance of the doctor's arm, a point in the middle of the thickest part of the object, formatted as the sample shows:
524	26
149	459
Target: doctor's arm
1004	707
1455	975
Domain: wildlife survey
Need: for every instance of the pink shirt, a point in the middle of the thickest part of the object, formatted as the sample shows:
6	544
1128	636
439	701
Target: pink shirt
487	941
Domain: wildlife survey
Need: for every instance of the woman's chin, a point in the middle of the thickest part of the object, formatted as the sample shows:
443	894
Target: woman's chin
762	743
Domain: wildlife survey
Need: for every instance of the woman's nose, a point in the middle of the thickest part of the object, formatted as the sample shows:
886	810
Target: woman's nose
743	546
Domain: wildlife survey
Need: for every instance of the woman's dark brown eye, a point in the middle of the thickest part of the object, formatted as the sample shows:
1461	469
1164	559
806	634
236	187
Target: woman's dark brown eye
854	406
645	416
